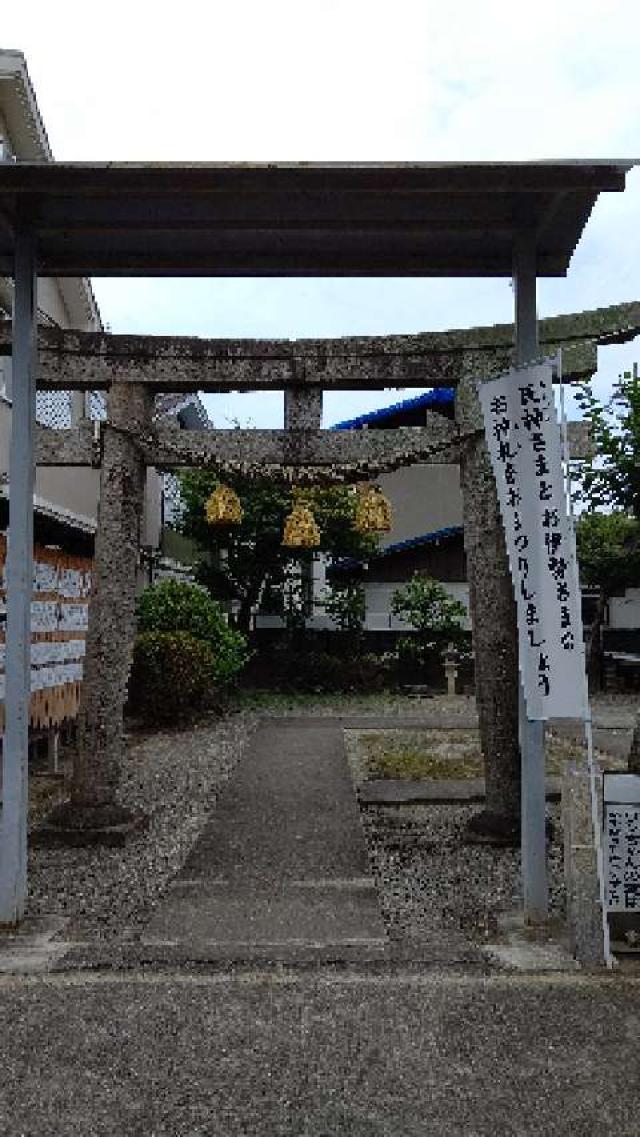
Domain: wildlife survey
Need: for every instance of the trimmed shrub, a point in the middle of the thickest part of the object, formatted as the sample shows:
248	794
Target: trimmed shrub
177	606
171	676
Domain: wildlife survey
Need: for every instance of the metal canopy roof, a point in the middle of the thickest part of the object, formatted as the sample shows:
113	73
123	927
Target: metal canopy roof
438	398
387	219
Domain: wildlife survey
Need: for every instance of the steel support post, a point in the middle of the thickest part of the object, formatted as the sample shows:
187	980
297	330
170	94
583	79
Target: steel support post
13	825
533	822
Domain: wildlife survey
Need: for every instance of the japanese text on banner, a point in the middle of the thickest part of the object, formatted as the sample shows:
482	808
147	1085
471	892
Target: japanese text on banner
523	438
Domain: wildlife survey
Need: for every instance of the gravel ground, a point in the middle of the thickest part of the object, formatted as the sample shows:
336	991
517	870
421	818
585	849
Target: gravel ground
433	884
174	777
430	1055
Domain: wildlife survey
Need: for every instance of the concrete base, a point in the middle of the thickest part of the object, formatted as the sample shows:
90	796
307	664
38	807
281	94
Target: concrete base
584	911
486	828
519	947
31	949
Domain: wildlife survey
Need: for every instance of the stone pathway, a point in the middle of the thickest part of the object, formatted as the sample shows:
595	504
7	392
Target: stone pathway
281	869
290	869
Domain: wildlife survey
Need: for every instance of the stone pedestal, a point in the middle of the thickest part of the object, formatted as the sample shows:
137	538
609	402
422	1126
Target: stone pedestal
451	669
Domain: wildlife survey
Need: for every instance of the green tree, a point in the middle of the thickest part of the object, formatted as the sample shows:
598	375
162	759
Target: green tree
608	546
345	604
611	477
437	617
611	480
171	676
240	561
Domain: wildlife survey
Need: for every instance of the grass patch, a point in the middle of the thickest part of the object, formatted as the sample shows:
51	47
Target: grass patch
256	699
414	755
442	754
413	766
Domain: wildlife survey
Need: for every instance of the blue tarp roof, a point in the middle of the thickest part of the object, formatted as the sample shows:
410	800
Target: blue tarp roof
438	397
400	547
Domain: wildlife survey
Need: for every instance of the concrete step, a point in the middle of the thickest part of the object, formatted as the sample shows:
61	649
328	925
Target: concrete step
305	912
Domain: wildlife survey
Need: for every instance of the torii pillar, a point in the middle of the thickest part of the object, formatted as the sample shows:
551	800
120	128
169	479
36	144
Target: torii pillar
493	617
98	760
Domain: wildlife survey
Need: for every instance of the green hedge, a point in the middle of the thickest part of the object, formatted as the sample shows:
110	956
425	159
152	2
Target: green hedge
177	606
171	676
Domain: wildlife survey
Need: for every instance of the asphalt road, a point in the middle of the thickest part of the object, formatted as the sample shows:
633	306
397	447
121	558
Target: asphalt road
319	1056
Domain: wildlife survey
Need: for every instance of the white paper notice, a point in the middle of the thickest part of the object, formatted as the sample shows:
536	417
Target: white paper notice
622	837
74	617
523	438
45	576
44	616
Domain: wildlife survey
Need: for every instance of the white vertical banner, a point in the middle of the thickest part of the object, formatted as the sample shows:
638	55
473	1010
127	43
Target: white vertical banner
523	438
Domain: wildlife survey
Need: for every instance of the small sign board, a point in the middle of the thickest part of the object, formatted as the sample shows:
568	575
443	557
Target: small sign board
621	817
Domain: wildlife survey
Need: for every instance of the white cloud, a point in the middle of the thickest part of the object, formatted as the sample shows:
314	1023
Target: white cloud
344	80
357	79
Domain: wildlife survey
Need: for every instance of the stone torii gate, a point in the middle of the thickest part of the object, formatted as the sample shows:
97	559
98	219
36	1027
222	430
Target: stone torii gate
520	220
133	369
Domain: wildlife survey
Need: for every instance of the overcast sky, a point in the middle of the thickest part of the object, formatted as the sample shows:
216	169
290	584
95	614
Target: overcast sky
345	80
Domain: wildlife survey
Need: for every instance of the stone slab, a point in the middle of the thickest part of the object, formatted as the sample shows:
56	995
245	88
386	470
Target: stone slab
282	863
530	957
396	791
32	947
531	948
227	914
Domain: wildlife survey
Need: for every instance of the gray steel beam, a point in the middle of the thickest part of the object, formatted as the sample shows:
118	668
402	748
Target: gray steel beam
533	825
13	823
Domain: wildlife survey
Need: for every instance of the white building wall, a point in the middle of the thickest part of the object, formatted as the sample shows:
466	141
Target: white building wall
624	611
423	498
378	603
60	491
